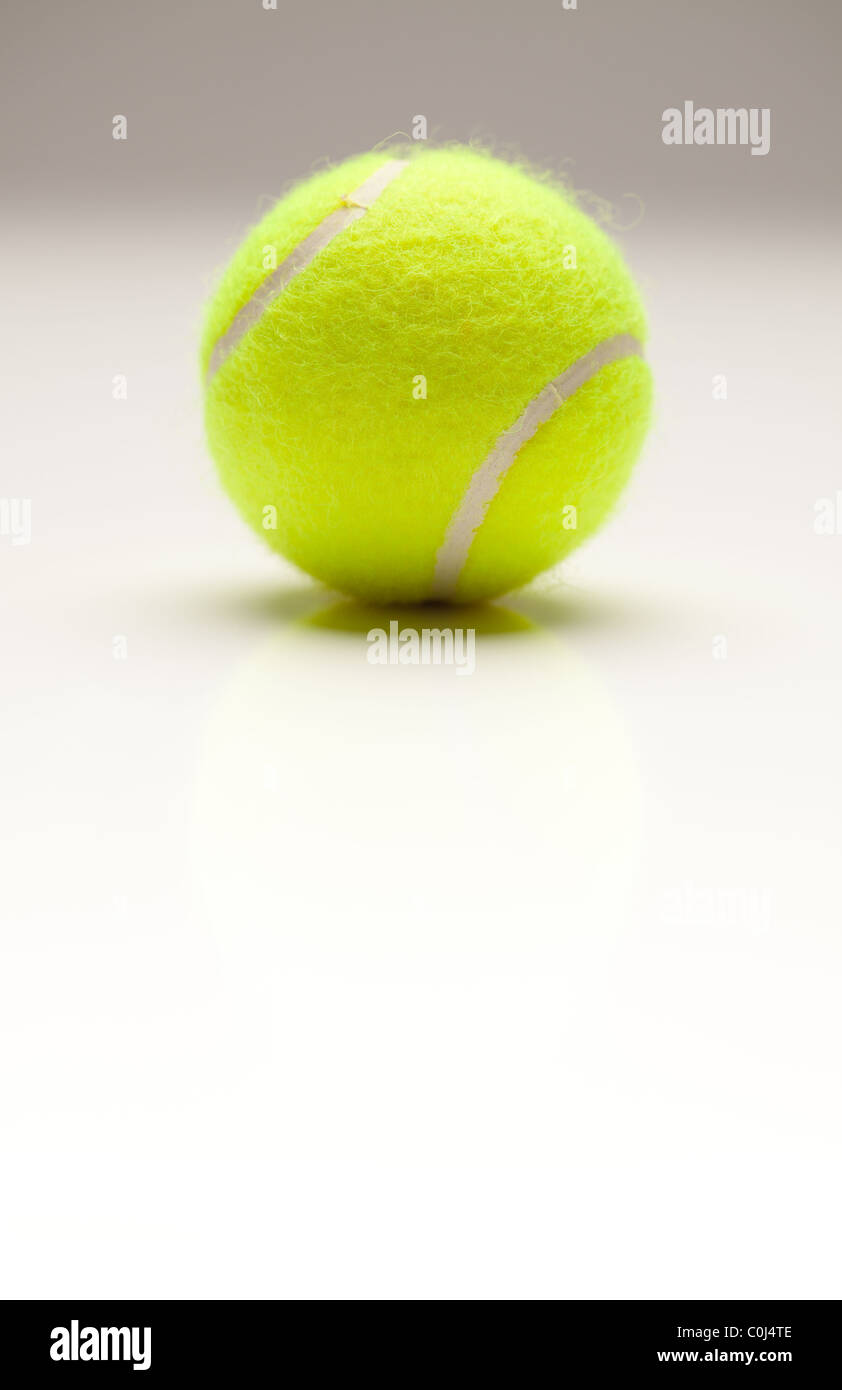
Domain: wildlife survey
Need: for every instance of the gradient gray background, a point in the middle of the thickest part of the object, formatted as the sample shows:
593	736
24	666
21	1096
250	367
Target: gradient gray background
226	100
317	983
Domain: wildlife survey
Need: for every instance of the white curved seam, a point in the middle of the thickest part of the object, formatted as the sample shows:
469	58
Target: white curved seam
355	205
485	483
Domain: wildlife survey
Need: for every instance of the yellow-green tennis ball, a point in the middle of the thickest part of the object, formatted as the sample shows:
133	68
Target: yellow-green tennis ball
424	376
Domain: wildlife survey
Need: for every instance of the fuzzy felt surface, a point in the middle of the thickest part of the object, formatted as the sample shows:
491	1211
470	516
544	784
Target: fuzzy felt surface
456	274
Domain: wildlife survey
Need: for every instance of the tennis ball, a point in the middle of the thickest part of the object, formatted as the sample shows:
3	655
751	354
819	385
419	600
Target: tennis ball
424	376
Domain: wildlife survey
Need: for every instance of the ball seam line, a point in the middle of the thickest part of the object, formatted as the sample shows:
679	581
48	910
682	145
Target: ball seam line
354	206
488	478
